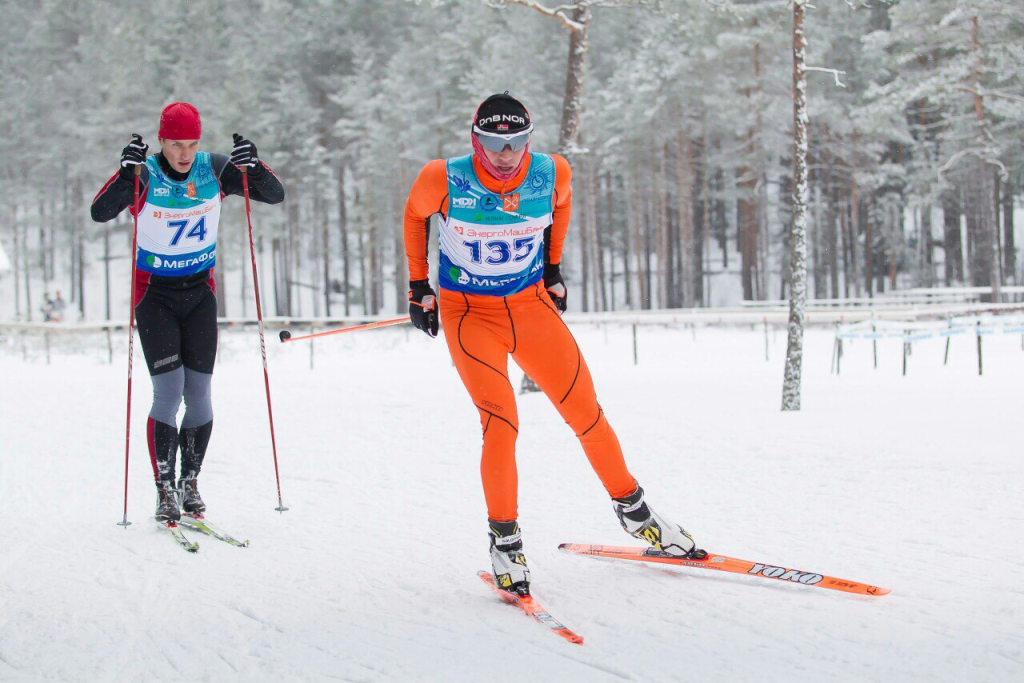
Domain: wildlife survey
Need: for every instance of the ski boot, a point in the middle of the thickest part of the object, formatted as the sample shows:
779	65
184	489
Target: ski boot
640	521
191	502
507	559
167	510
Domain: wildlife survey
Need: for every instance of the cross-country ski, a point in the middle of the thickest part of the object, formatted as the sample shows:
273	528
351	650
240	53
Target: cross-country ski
723	563
531	608
174	531
205	526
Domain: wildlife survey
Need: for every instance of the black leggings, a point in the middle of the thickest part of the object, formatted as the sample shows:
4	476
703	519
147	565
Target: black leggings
177	323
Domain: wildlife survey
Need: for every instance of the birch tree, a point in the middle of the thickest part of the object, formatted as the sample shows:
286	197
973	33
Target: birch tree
798	273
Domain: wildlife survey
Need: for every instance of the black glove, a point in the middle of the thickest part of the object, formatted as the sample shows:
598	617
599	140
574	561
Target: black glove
133	155
243	154
423	306
555	285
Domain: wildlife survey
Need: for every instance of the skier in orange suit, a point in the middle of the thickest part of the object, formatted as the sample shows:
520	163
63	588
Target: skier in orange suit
504	217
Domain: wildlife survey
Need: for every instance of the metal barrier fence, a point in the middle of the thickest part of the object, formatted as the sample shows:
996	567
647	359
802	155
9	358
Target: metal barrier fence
910	323
1005	320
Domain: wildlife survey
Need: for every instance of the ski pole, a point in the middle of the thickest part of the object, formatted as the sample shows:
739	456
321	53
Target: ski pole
286	336
131	342
263	346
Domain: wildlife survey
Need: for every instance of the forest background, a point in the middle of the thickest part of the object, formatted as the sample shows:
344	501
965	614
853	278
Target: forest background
677	117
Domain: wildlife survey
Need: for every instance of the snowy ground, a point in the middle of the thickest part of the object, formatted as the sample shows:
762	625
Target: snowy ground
909	483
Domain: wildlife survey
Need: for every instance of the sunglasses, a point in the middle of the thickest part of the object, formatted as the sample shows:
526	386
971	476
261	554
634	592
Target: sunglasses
496	142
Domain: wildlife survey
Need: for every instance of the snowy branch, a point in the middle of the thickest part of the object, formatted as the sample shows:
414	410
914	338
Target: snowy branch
988	93
982	153
561	12
836	73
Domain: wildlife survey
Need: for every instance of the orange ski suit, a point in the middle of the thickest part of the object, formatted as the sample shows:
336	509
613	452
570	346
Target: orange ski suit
482	331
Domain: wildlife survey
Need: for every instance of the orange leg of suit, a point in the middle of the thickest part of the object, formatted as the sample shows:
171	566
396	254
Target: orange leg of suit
482	331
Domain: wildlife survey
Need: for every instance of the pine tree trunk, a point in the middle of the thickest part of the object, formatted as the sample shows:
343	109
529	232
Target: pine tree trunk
747	215
600	278
951	242
280	306
398	244
869	255
704	255
746	224
572	106
997	206
636	215
609	195
246	258
364	276
294	258
373	247
854	219
51	249
627	273
798	285
927	242
343	238
990	229
222	299
721	218
761	164
817	261
106	270
312	275
628	244
277	276
688	284
648	250
664	234
1009	247
72	242
42	240
844	232
325	246
80	231
15	255
583	222
26	269
831	195
978	197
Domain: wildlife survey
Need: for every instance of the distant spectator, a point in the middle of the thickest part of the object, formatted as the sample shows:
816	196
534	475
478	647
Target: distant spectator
47	308
57	309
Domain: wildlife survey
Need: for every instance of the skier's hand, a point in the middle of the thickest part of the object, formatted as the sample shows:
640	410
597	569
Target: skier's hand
423	306
133	155
555	286
243	154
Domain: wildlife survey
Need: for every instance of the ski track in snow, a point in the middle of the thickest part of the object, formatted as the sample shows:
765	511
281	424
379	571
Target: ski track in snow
909	483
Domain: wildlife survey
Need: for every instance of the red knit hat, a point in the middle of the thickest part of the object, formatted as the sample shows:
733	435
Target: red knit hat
180	121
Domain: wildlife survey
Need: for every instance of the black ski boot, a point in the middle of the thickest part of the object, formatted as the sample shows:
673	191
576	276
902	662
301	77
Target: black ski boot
507	559
191	502
167	510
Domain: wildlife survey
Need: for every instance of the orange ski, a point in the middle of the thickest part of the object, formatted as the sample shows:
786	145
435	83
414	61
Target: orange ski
726	564
531	608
